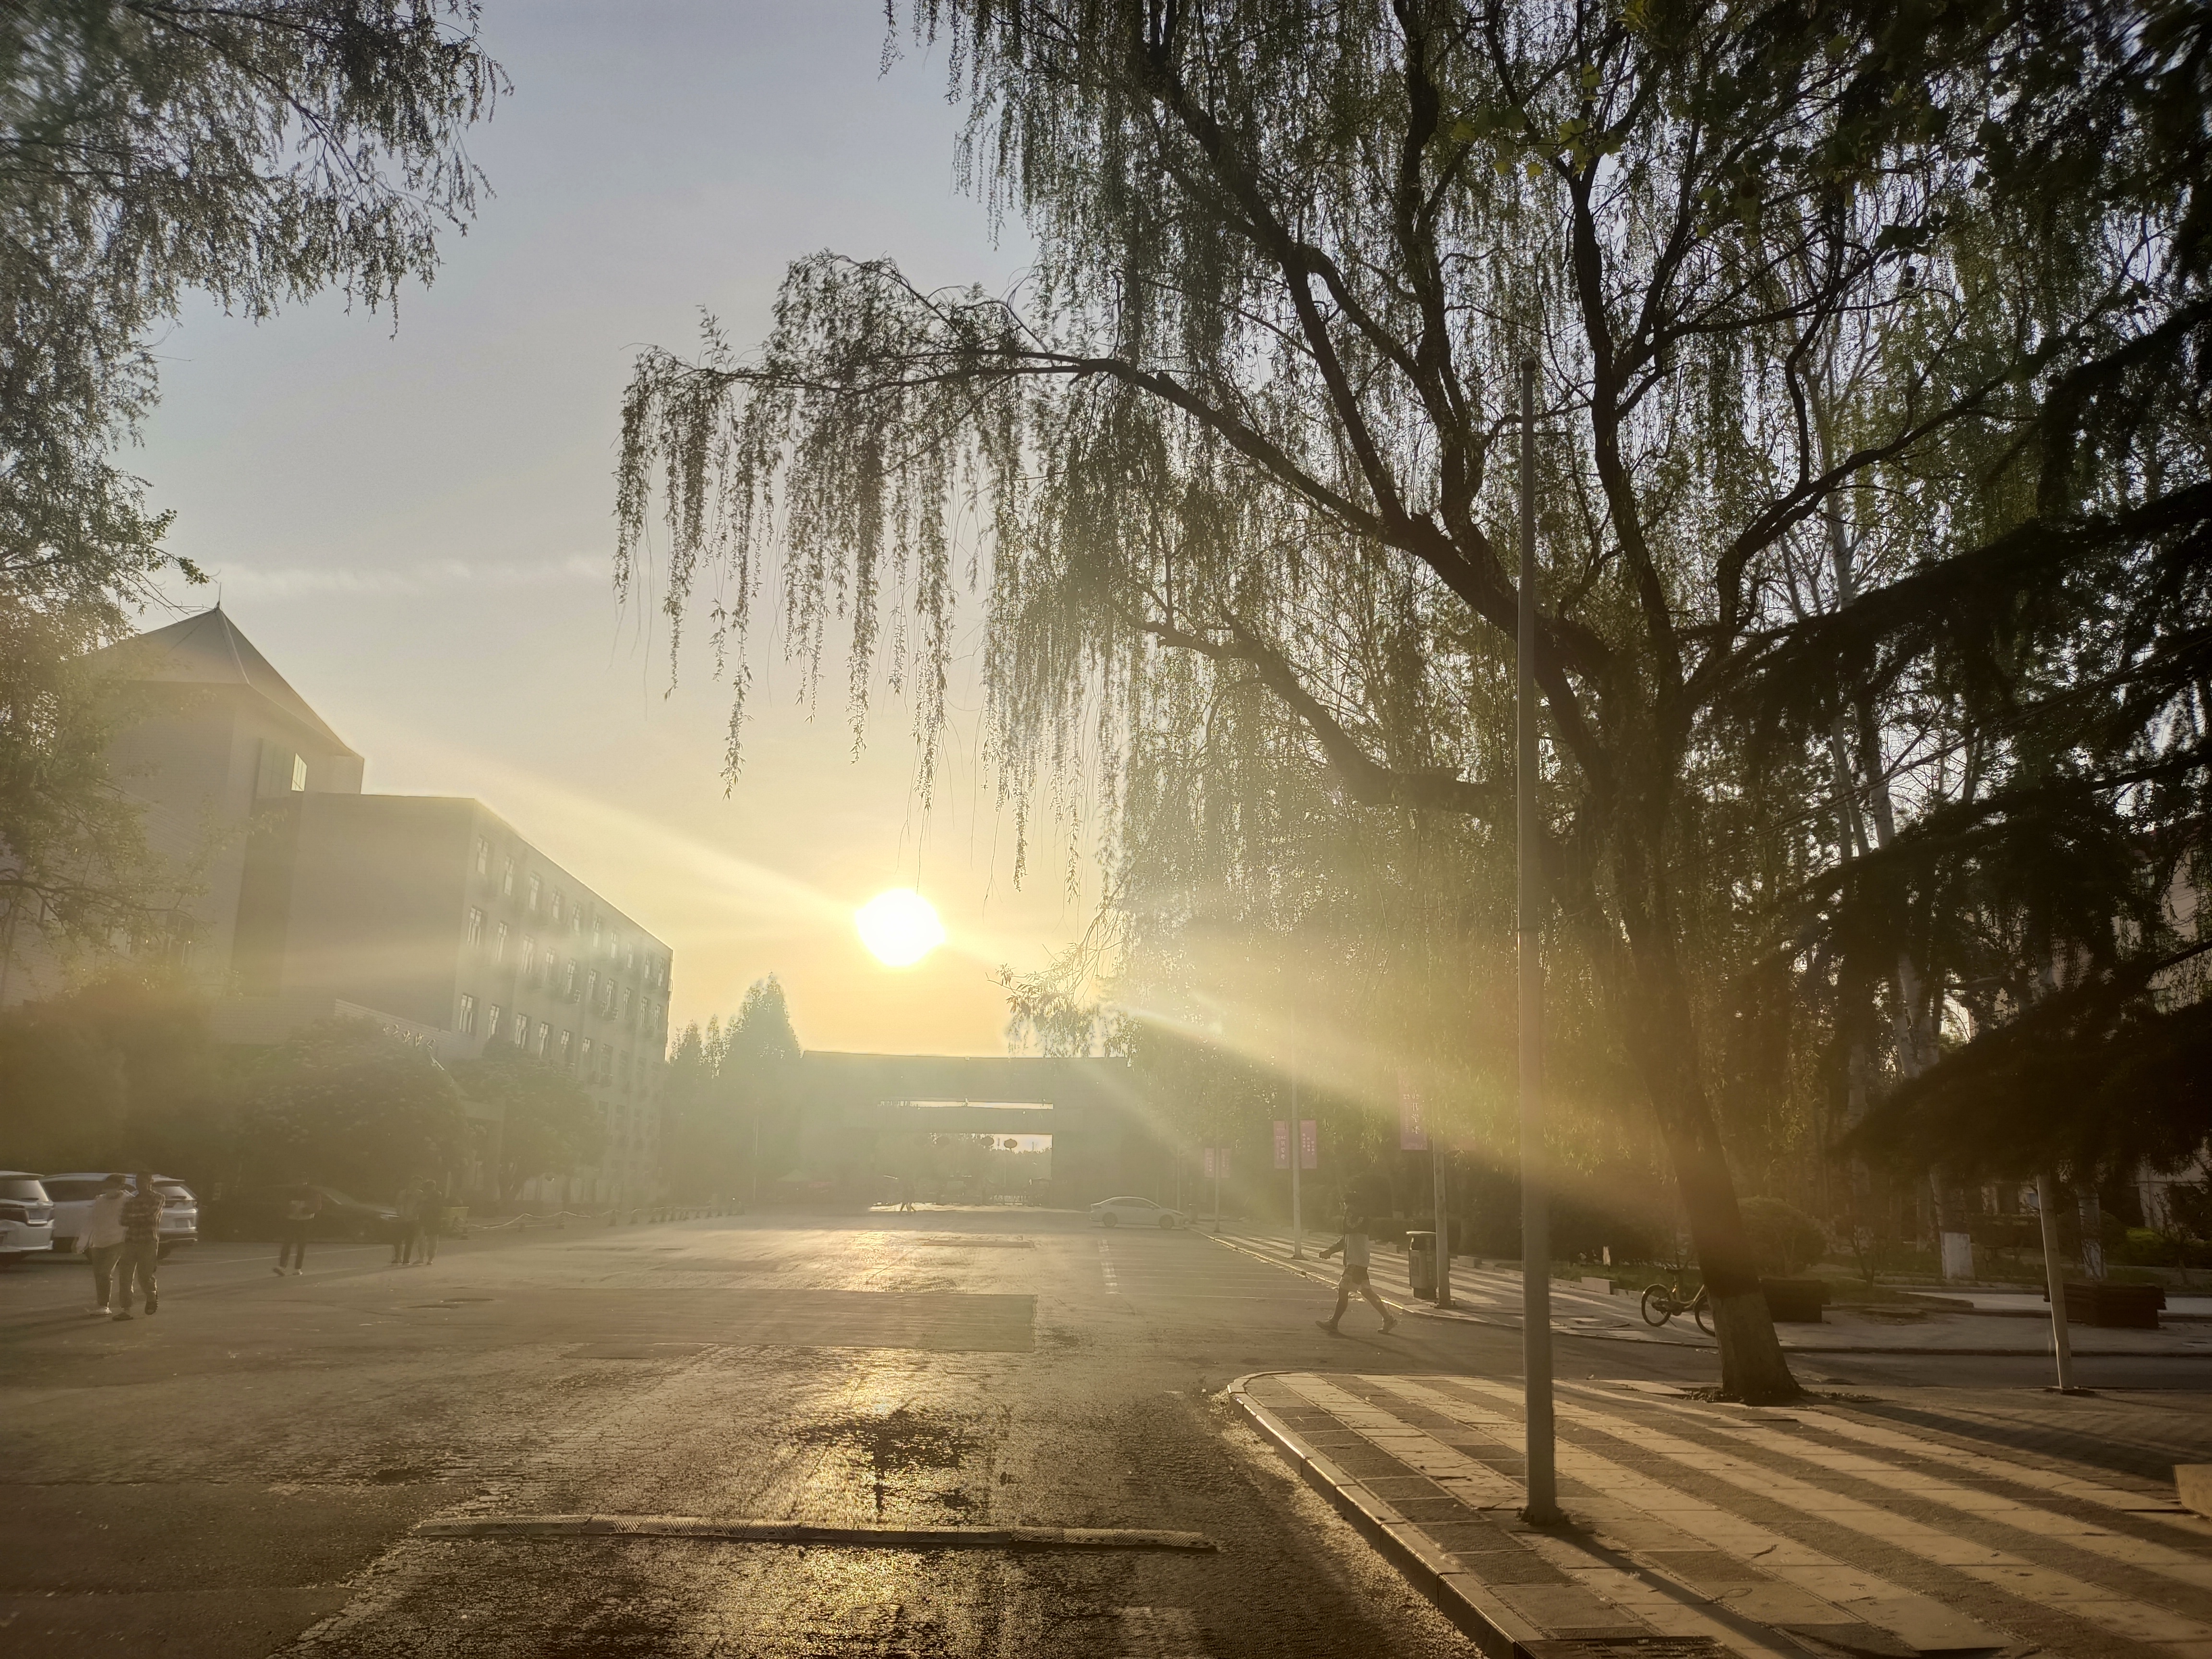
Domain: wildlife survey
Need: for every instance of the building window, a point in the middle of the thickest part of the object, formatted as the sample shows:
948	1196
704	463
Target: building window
529	955
584	1063
544	1038
475	925
565	1046
556	907
537	892
491	1023
507	879
521	1030
298	774
465	1021
483	856
568	980
591	990
625	1002
499	943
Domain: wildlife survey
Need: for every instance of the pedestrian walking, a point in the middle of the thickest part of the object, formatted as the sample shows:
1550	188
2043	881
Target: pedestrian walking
1353	1245
102	1238
142	1246
409	1207
301	1204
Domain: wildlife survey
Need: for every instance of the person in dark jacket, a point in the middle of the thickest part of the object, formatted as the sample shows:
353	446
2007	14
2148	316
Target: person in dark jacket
141	1246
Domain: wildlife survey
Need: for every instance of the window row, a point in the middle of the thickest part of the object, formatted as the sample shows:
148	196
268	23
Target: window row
540	898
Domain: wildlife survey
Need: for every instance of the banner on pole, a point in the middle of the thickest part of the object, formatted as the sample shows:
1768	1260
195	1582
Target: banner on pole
1210	1171
1412	1129
1309	1145
1282	1143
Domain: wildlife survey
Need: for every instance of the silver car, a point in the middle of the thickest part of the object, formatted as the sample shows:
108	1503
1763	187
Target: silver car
1136	1212
27	1216
73	1194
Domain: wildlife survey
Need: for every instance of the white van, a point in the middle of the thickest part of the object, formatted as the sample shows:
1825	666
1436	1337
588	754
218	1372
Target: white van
26	1217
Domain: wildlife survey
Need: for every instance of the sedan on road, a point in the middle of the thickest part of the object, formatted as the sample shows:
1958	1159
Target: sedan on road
73	1194
27	1216
1136	1212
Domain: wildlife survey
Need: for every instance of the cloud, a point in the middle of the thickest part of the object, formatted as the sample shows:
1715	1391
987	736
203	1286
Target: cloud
425	576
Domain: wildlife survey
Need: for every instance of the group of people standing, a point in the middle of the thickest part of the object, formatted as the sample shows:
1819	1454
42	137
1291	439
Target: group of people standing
122	1241
422	1212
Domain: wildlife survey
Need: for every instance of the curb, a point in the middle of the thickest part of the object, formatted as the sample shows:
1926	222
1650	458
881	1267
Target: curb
1489	1624
1422	1310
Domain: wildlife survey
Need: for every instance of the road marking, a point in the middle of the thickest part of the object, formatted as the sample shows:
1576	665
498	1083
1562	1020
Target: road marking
1158	1633
1106	1266
2061	1592
2194	1570
792	1532
1855	1595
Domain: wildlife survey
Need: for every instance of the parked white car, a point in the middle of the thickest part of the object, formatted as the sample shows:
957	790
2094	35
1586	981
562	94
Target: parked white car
1137	1213
27	1216
73	1194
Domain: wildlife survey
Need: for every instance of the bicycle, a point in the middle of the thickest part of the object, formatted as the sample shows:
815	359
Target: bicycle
1664	1302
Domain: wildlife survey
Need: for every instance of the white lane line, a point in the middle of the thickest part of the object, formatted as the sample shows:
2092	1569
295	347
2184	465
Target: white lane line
2100	1606
1106	1266
1855	1593
1158	1633
2194	1570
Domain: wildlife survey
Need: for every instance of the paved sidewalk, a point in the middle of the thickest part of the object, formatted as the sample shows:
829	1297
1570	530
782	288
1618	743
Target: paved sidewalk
1493	1295
1943	1522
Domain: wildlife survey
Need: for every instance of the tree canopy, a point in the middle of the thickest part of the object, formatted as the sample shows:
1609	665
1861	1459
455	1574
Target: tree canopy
1854	330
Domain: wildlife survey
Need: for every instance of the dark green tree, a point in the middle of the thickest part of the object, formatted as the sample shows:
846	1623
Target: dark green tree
346	1102
1922	266
549	1125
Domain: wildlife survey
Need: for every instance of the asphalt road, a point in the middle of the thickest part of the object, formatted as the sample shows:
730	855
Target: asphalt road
240	1475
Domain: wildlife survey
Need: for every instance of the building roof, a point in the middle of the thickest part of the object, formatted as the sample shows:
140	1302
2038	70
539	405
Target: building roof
209	650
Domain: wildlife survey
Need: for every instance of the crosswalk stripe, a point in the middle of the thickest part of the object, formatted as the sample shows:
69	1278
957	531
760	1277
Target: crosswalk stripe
1642	1603
1855	1593
2059	1591
2194	1570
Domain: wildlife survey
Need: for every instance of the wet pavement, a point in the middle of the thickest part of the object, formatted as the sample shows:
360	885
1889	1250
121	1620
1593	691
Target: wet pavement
243	1474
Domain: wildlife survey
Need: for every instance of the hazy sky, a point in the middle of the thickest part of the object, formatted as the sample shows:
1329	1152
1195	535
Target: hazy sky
415	526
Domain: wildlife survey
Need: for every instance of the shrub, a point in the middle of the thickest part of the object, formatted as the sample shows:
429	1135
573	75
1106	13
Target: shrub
1783	1237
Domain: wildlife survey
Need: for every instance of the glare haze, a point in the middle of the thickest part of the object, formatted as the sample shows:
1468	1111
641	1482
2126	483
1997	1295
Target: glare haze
415	523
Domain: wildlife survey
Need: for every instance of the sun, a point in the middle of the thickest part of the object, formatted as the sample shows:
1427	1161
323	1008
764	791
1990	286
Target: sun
899	927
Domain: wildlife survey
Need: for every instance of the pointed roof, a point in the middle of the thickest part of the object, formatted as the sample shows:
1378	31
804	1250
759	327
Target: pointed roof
209	650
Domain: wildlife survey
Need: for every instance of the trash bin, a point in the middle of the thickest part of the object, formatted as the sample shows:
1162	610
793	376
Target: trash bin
1421	1264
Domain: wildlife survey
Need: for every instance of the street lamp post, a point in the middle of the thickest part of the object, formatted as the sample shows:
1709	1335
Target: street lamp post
1535	1215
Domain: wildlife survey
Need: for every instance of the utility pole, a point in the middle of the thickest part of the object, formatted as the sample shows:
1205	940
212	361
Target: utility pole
1298	1156
1440	1177
2054	1278
1535	1215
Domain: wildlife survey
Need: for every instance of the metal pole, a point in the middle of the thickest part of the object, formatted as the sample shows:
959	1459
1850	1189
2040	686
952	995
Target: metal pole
1297	1148
1441	1177
2054	1277
1535	1215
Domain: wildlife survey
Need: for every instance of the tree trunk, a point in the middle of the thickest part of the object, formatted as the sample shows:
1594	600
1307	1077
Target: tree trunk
1664	1045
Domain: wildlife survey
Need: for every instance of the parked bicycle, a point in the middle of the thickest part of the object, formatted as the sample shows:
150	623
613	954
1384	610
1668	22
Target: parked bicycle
1664	1302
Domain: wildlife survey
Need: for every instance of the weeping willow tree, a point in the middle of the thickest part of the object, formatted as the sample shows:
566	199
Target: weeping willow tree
1256	396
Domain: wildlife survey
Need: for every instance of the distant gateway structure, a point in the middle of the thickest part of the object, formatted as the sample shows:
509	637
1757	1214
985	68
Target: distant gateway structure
1103	1139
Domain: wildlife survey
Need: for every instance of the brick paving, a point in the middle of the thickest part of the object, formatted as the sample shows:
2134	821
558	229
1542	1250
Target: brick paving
1949	1522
